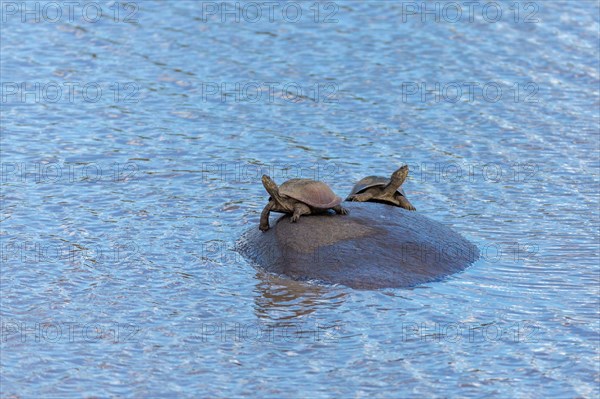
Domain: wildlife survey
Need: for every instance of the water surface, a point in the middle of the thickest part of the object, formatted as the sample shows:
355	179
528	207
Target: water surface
120	210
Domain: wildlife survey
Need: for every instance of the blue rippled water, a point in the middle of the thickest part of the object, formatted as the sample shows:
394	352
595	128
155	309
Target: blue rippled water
132	146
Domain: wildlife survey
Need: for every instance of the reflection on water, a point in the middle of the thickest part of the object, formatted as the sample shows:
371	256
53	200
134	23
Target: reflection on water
283	299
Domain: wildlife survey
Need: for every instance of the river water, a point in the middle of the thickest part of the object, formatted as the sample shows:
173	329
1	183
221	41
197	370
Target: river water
133	141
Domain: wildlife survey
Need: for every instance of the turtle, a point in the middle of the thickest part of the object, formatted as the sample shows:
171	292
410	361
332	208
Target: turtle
298	197
382	189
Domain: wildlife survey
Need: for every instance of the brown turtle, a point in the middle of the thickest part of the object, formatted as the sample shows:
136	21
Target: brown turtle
382	189
298	197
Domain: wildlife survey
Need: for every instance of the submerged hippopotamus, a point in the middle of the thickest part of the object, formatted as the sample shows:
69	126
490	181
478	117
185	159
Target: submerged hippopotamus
374	246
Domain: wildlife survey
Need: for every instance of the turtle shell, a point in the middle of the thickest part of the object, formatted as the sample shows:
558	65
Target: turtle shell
314	193
372	181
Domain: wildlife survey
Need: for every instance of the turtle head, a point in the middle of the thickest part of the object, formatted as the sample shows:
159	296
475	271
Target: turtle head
270	186
400	175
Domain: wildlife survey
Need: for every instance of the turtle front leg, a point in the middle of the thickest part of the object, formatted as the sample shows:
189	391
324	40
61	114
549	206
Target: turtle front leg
340	210
363	197
264	217
299	210
404	203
